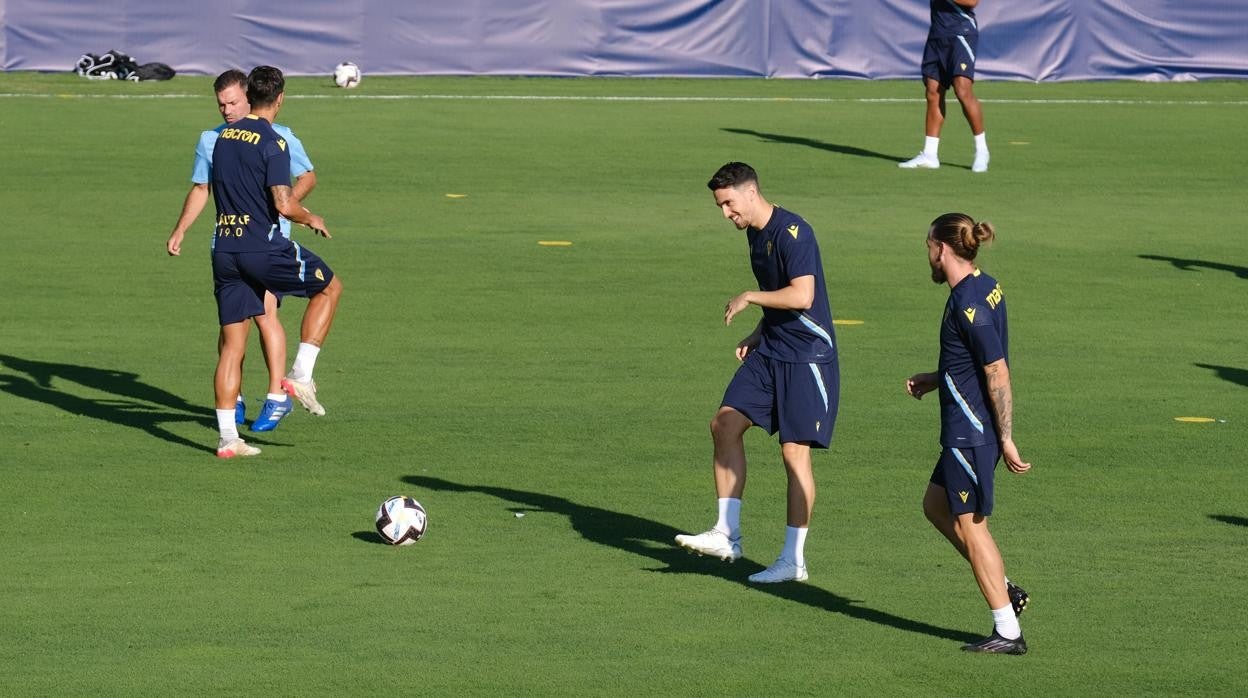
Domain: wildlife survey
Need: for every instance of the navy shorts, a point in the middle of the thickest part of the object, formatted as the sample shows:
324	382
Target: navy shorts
241	278
950	57
797	400
966	475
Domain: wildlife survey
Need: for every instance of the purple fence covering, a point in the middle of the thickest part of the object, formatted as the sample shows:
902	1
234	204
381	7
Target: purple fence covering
1033	40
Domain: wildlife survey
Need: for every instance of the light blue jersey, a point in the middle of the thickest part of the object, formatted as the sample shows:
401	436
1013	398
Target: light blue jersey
201	171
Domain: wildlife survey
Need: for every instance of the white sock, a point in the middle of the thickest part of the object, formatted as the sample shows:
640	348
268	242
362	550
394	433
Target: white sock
795	545
729	517
305	361
238	399
981	143
225	422
931	144
1006	622
276	397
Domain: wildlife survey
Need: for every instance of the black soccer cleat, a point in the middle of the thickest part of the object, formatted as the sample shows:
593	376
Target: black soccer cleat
1018	597
995	644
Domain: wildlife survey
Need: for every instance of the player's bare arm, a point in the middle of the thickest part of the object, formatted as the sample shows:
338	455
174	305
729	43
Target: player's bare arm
304	184
196	198
286	204
921	384
1002	399
798	295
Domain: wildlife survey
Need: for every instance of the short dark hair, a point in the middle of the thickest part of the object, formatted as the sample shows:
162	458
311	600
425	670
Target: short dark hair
734	174
233	76
264	84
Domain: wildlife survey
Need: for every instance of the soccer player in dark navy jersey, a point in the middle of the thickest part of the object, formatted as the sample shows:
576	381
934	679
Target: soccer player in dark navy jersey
976	418
788	381
251	186
231	91
949	60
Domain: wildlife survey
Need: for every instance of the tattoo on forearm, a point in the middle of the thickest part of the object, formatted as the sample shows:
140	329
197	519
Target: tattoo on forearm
280	196
1002	400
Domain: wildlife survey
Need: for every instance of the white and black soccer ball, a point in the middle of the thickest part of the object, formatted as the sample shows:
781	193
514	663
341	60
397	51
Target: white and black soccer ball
347	74
401	520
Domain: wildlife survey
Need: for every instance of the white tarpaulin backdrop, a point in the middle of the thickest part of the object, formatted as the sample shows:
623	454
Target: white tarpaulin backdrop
1033	40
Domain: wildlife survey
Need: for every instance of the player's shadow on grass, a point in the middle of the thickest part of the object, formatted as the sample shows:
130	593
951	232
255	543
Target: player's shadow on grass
820	145
1230	374
1196	264
655	540
1233	520
133	403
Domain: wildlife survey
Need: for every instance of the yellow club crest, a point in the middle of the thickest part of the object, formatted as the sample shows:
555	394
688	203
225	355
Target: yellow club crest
793	231
970	314
769	248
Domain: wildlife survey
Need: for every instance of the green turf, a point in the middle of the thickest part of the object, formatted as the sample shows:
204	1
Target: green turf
487	375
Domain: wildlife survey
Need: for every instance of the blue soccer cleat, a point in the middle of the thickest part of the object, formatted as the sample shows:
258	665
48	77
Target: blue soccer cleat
240	411
272	413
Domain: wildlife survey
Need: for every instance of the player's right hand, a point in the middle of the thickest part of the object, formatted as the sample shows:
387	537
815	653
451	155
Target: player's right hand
920	384
174	245
317	224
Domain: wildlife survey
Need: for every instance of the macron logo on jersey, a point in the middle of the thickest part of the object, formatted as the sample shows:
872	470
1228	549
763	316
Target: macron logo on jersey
793	231
970	315
281	143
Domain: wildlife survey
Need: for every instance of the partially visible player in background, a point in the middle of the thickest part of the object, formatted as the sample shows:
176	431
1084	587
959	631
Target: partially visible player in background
788	380
231	90
251	187
976	418
949	59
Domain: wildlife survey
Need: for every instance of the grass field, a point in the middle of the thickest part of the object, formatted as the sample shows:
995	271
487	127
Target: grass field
488	376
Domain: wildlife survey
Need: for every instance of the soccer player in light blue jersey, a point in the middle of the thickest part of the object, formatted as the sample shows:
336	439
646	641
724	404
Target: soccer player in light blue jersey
949	60
231	90
789	378
976	419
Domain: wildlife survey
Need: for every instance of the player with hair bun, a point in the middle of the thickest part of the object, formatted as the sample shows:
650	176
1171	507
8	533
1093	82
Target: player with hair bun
976	418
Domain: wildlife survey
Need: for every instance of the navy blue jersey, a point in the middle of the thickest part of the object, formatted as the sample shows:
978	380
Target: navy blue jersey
973	334
950	19
783	250
248	158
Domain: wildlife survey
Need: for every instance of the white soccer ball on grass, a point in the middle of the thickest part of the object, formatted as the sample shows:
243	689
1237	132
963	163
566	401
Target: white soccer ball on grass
401	520
347	74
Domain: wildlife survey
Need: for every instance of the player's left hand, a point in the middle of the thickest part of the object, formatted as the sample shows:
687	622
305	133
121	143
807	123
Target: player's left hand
734	306
1013	460
748	345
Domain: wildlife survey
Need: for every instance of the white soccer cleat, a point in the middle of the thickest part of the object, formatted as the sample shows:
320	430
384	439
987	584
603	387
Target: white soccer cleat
781	570
981	162
713	542
305	393
922	161
235	447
